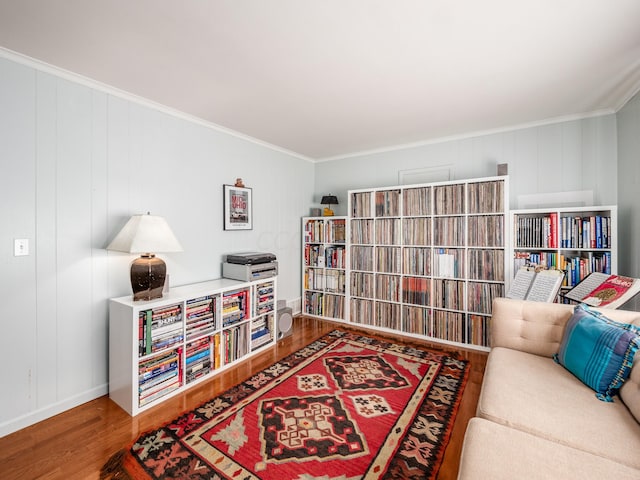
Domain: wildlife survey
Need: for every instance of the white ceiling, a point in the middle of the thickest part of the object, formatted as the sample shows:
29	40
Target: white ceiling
328	78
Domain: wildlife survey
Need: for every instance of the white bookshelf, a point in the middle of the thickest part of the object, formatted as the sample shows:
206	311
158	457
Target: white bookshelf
324	266
577	240
161	347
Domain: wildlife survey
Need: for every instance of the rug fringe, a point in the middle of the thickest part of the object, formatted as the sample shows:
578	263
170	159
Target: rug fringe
114	468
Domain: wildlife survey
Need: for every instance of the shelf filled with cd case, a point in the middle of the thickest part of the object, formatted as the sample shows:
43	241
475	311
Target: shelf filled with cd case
427	260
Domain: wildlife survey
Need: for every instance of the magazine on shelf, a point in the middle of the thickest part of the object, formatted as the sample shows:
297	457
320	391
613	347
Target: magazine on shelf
604	290
536	284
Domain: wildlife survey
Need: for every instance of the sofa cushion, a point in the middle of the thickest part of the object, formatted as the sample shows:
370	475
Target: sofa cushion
536	395
598	350
493	451
534	327
537	327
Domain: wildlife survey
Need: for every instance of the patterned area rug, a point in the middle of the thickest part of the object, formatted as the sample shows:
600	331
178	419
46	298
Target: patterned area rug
345	407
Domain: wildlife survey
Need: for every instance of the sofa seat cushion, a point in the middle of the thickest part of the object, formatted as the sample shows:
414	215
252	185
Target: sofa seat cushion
536	395
493	451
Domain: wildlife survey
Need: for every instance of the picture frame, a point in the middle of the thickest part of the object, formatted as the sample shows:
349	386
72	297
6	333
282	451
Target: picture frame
238	208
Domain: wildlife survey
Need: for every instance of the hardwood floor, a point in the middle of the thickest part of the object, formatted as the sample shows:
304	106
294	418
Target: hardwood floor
76	443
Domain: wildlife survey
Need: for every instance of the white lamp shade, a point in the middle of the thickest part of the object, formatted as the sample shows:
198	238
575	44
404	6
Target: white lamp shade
145	234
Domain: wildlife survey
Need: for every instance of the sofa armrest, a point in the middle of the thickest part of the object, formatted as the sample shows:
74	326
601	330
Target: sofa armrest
630	391
532	327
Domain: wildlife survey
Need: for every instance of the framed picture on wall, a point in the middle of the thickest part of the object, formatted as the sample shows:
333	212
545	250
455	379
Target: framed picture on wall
238	211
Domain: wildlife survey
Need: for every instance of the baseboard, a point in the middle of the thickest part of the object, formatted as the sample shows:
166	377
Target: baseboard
36	416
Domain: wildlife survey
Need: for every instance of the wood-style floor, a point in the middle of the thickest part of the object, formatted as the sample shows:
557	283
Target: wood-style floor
76	443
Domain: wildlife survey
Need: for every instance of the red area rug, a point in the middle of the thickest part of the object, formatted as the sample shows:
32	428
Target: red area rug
345	407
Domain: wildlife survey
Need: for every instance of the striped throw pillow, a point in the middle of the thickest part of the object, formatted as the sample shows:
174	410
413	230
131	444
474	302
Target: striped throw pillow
598	350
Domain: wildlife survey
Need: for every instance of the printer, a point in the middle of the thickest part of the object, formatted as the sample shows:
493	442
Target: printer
248	266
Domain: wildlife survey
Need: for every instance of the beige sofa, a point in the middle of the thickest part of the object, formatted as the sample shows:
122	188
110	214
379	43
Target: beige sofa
535	420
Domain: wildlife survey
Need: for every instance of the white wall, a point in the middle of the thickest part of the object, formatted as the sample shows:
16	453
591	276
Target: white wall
562	157
76	162
629	187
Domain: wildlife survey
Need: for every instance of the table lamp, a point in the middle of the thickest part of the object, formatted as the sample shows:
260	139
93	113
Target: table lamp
146	234
329	200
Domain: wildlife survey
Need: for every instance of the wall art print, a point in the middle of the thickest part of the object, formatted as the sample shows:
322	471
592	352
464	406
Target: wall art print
238	211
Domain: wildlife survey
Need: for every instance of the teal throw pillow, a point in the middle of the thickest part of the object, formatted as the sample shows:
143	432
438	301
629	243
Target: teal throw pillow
598	350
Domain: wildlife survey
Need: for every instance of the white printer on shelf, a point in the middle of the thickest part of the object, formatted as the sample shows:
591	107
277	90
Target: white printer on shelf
248	266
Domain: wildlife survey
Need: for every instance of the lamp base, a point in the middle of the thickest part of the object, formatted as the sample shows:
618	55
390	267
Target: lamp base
148	275
327	212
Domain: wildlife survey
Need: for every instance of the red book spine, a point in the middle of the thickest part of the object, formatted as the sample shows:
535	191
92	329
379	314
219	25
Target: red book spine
554	230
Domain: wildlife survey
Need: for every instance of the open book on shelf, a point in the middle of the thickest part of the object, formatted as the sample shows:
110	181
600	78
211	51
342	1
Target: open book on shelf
604	290
536	284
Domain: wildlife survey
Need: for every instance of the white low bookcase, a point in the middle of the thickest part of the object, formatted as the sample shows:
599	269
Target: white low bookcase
161	347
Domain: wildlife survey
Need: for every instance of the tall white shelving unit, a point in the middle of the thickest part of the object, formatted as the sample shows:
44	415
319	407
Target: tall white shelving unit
324	266
428	259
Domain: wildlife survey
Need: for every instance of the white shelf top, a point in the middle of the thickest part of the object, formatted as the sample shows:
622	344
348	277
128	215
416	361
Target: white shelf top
178	294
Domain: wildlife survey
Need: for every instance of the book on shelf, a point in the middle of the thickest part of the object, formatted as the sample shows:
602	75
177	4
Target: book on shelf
535	284
314	231
158	376
195	374
235	307
592	231
537	232
144	400
216	351
195	356
336	231
148	372
314	255
159	328
335	257
604	290
387	203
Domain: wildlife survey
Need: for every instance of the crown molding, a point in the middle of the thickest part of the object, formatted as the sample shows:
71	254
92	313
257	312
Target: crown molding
110	90
465	136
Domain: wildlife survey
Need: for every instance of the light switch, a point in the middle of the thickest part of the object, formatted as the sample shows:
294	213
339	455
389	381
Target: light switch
20	247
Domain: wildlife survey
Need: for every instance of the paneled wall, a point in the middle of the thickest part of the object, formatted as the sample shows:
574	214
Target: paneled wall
77	161
629	187
578	155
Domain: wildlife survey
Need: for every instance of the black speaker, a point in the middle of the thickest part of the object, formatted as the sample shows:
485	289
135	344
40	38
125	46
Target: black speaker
284	322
